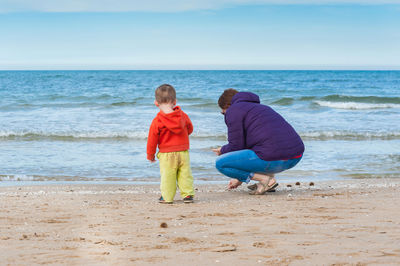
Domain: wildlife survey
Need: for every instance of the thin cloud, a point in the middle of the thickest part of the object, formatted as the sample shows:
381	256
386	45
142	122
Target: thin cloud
156	5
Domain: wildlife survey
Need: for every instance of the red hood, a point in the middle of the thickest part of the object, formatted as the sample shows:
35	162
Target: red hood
174	121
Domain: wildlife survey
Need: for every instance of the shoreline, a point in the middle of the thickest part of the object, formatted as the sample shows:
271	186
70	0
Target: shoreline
344	222
156	181
338	182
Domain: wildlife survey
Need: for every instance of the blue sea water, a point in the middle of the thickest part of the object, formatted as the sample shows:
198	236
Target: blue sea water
92	125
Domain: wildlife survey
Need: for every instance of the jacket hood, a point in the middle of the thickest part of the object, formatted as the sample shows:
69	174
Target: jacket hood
245	97
174	121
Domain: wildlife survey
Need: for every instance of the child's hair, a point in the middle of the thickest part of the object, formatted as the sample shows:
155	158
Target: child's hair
225	99
165	94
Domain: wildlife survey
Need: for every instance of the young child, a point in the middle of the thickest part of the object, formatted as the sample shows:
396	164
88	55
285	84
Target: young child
170	130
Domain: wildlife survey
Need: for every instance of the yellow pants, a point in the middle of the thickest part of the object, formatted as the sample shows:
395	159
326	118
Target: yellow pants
175	168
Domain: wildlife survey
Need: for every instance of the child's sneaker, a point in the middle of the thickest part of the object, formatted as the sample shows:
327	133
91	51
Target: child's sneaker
188	199
161	200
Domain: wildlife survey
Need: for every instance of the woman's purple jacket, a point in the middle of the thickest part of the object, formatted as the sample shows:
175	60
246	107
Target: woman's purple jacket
258	127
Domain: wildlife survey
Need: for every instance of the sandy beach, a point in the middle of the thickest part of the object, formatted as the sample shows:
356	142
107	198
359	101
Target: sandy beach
351	222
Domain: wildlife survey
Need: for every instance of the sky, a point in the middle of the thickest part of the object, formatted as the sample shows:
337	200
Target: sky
199	34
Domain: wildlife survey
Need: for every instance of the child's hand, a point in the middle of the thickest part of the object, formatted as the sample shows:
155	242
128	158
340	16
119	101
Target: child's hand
217	151
152	161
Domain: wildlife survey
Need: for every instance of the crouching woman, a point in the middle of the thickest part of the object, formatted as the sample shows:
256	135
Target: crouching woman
261	142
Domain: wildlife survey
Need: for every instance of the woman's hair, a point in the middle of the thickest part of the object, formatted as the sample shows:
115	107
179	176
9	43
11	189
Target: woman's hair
165	94
225	99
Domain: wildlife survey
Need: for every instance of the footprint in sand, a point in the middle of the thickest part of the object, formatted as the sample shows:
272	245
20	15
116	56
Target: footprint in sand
225	248
179	240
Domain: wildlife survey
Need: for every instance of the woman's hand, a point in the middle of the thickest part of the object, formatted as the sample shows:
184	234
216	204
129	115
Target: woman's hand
234	183
217	151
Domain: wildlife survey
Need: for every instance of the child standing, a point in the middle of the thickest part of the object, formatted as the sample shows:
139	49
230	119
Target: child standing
170	130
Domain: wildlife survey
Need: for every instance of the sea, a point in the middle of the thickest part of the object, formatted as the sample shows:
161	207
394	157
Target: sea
92	126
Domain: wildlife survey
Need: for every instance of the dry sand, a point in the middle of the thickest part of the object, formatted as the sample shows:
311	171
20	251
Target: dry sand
353	222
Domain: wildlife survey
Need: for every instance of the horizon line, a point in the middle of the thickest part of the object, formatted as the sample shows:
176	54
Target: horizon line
197	67
231	69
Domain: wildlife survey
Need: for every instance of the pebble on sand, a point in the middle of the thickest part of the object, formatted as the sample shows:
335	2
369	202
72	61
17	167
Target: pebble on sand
163	225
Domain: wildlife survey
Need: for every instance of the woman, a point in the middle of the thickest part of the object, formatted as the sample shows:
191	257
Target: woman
261	142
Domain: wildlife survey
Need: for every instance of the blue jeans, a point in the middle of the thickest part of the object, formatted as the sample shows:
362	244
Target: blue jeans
244	163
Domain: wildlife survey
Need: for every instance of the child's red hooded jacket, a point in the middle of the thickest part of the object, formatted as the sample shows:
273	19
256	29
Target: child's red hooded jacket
170	132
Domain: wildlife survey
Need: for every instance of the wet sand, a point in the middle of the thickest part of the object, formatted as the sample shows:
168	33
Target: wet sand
352	222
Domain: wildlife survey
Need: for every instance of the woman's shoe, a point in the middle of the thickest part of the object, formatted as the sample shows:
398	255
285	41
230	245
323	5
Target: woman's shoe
254	187
265	187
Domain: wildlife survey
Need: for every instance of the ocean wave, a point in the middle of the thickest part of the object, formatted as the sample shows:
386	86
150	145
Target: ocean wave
109	101
307	98
201	105
117	103
356	105
133	103
22	177
343	101
142	135
70	136
283	101
361	99
26	106
21	106
18	178
103	96
95	136
347	135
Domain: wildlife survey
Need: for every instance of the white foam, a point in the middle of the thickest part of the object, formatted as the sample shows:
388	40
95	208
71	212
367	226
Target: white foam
350	135
357	106
17	178
140	135
74	134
